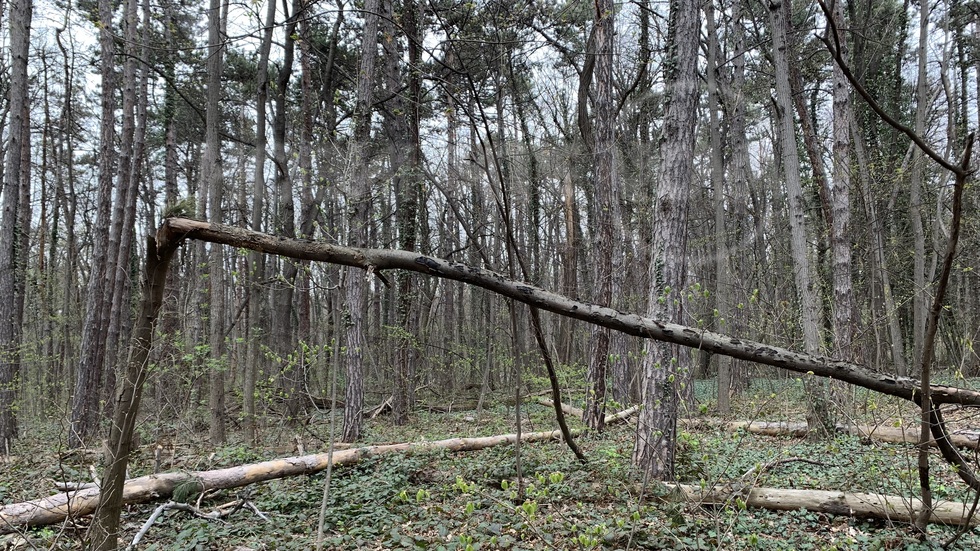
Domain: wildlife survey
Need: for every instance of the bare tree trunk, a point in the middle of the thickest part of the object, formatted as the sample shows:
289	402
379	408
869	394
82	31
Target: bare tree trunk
131	149
256	261
359	208
85	401
104	531
916	183
722	277
212	174
840	197
13	253
283	320
664	369
803	272
602	144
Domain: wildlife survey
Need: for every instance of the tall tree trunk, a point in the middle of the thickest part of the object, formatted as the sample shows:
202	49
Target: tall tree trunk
916	183
291	378
359	208
127	191
803	272
601	142
722	277
211	173
406	160
85	401
840	198
664	369
256	261
13	253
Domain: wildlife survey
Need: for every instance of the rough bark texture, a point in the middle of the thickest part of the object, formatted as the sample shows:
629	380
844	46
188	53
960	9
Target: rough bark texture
722	277
85	400
804	274
606	206
840	198
12	254
359	209
664	369
378	260
212	172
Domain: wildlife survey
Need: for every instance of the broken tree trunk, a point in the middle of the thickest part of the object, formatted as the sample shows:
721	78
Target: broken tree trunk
58	507
860	505
375	261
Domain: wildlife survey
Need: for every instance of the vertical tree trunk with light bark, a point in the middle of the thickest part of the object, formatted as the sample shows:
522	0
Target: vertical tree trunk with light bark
256	260
840	198
359	209
722	277
663	367
212	173
803	272
917	175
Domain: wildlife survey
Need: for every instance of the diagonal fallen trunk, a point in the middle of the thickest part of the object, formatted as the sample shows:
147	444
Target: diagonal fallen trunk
859	505
375	261
58	507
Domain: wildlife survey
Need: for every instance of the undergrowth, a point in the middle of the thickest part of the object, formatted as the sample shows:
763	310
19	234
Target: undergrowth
476	500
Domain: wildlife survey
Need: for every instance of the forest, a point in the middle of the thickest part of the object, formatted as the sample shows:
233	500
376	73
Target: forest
543	274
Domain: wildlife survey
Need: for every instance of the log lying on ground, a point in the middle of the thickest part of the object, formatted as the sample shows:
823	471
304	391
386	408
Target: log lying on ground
374	261
895	435
859	505
579	412
82	502
58	507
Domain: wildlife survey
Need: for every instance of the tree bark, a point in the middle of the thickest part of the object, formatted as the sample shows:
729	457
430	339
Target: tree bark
860	505
144	489
256	261
212	173
104	531
803	273
359	208
379	260
665	369
602	144
13	253
85	401
722	276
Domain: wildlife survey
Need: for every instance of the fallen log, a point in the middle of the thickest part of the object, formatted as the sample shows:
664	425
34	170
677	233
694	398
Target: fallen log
896	435
74	504
579	412
375	261
852	504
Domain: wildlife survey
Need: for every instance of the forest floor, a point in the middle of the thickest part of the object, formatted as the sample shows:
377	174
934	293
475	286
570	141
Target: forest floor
470	500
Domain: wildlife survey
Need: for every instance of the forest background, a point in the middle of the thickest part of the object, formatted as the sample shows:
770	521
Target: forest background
706	163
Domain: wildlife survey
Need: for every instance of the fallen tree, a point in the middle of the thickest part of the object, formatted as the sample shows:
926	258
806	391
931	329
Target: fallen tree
78	503
894	435
71	505
859	505
62	506
376	261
